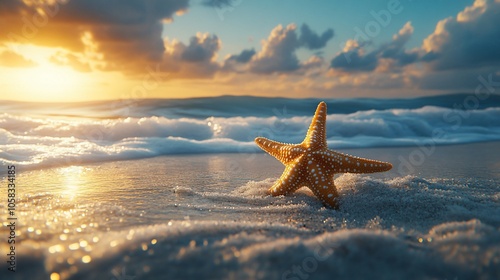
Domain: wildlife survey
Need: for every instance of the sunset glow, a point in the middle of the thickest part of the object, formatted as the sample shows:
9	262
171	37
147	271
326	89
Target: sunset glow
51	82
77	50
250	139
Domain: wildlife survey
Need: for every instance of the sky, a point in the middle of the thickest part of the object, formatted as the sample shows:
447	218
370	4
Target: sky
81	50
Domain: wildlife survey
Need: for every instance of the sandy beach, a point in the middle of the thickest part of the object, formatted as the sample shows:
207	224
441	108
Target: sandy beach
233	139
209	216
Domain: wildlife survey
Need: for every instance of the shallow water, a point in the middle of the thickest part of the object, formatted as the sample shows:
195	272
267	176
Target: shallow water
208	216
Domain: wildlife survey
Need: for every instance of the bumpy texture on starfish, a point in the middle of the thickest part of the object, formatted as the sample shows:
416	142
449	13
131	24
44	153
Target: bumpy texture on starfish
311	164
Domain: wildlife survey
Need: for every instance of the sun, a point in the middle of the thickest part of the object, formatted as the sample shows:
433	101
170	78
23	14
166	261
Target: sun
52	82
48	82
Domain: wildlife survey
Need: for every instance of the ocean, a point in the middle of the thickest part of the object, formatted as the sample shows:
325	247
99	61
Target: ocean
176	189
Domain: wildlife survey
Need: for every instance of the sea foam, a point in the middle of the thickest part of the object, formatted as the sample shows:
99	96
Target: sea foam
37	137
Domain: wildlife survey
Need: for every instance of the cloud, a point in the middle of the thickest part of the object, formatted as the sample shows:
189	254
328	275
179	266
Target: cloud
196	60
462	51
278	54
127	33
460	55
313	41
201	48
471	39
243	57
9	58
69	59
238	62
126	36
396	49
354	58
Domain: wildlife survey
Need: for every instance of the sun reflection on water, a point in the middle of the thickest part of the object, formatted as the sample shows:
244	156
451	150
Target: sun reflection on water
74	181
70	211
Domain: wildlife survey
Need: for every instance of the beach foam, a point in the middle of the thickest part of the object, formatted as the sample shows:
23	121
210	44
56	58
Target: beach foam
210	217
36	142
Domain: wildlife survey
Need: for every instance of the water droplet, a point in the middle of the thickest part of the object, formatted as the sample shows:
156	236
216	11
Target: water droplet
86	259
83	243
74	246
54	276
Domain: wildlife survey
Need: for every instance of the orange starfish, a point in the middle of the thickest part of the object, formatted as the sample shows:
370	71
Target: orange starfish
311	164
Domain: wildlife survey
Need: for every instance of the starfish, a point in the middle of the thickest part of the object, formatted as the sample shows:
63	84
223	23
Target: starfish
311	164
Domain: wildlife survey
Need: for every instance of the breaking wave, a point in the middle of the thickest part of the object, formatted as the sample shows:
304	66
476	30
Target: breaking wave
41	135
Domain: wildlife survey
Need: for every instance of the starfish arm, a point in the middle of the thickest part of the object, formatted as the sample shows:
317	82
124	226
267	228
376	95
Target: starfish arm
289	182
326	192
352	164
285	153
311	164
316	134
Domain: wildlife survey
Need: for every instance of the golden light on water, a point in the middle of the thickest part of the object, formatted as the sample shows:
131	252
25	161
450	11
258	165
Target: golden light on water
86	259
74	246
74	180
71	170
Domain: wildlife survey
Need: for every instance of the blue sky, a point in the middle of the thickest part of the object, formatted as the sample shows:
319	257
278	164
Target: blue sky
107	49
246	24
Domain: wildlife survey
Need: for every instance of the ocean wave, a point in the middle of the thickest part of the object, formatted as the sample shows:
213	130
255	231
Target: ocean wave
39	142
40	135
240	106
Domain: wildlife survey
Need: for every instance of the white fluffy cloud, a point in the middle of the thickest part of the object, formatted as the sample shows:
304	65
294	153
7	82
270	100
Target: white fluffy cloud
452	58
278	54
354	57
127	33
469	40
195	60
